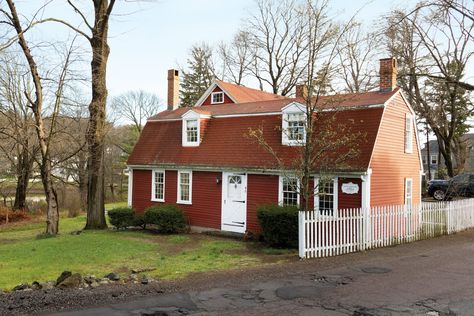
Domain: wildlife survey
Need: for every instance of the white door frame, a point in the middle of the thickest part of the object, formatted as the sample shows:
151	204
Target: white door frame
225	176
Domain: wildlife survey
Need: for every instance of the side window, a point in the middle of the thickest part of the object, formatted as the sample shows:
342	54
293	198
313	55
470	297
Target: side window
185	187
158	186
408	191
289	194
217	97
408	133
326	199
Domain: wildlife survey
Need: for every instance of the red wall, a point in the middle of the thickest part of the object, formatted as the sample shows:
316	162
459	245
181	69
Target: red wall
261	189
205	210
349	200
217	89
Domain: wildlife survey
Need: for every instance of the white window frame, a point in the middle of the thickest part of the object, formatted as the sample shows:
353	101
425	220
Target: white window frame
153	185
292	109
408	196
190	116
217	93
408	133
435	158
179	200
280	189
335	207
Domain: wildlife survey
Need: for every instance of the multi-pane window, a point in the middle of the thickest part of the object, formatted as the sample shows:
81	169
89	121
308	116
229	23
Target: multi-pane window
289	191
217	97
158	189
408	133
296	127
192	131
184	186
326	197
408	191
434	159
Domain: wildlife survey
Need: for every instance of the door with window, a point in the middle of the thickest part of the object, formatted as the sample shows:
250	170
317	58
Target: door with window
234	202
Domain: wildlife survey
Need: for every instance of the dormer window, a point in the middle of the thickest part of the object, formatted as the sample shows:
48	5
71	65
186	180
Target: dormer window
191	128
293	124
192	131
217	97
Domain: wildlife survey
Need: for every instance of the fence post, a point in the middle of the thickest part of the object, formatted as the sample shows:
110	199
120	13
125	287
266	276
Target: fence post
301	235
366	235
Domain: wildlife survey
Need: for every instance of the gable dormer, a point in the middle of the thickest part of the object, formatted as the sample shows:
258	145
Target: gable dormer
217	96
192	128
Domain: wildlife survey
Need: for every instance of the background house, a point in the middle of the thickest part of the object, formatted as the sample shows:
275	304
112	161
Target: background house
434	162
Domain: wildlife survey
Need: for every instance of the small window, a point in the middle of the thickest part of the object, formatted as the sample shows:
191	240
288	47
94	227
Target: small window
294	128
434	159
408	133
185	179
424	159
289	194
408	191
158	186
191	132
217	97
327	197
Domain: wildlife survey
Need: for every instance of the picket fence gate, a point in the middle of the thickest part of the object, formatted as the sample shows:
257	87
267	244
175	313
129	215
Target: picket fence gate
358	229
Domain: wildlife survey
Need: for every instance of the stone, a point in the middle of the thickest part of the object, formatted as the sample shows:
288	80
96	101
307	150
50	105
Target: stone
63	276
94	284
104	281
88	279
21	287
75	280
112	276
133	277
140	270
145	280
36	285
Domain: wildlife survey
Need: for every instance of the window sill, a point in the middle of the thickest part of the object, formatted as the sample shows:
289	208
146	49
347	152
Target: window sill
295	143
191	145
157	200
184	202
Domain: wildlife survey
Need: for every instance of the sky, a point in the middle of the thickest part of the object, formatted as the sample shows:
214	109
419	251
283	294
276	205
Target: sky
149	37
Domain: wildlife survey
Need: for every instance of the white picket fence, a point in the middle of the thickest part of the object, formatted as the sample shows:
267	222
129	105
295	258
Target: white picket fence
352	230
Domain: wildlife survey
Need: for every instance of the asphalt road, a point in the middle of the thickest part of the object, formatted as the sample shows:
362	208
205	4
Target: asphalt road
433	277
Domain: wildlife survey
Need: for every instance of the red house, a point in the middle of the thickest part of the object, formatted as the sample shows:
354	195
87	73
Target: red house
201	159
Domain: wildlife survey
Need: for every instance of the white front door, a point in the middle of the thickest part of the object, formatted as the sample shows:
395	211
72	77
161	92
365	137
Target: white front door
234	202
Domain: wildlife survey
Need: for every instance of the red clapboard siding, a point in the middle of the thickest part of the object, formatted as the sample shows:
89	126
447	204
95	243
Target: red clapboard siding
390	164
205	210
261	189
217	89
345	200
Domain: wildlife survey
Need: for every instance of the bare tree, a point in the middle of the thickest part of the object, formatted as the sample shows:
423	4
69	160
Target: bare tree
237	57
36	103
17	139
325	142
136	107
434	50
357	52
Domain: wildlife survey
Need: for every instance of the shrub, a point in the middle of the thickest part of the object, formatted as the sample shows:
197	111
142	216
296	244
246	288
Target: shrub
168	218
139	220
279	224
7	215
121	217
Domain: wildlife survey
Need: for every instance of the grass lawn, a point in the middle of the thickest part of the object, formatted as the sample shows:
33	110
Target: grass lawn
26	258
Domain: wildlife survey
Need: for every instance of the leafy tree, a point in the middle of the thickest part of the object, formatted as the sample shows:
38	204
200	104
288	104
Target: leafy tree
199	75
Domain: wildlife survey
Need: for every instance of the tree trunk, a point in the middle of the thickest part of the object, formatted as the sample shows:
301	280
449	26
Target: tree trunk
97	119
52	211
25	164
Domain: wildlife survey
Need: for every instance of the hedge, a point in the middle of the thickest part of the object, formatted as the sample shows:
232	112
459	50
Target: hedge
121	217
168	218
279	224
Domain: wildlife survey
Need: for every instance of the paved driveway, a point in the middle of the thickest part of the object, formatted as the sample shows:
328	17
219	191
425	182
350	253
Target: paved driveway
433	277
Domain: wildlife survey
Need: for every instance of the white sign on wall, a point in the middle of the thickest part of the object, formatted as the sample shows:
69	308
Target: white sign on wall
350	188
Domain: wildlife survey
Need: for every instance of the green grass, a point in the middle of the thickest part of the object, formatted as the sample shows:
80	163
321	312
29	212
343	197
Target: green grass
109	206
26	258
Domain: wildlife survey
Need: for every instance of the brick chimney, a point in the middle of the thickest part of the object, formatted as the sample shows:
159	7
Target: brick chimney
173	89
302	90
388	74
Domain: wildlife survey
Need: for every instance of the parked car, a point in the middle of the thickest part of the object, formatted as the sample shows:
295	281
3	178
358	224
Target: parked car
460	185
